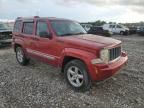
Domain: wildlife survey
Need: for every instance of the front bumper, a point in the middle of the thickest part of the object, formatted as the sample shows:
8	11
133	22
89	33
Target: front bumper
104	71
5	42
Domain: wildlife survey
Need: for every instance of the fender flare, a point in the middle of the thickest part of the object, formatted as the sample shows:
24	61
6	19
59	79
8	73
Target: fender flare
82	55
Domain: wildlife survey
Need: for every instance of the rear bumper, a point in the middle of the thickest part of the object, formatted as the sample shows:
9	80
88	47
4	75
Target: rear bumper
104	71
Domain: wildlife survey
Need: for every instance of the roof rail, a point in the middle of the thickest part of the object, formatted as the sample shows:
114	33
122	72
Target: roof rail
51	17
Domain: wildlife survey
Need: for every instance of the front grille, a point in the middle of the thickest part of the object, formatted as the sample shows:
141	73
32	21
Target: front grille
115	53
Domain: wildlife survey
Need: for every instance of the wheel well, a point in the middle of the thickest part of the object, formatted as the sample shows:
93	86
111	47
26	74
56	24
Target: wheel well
121	31
66	60
15	46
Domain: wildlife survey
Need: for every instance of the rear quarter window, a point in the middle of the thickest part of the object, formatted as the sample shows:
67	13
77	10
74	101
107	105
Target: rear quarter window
17	26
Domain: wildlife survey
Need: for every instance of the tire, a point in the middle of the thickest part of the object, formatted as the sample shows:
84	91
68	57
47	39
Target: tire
122	33
77	76
126	32
20	56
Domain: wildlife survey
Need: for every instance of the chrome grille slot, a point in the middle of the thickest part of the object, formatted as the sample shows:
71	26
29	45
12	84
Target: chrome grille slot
114	53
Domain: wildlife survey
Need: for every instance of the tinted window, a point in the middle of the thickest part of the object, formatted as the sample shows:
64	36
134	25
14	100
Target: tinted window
99	28
112	26
96	28
17	26
118	26
28	27
42	29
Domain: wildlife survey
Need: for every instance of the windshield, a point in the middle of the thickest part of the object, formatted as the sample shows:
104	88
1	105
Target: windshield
4	27
66	28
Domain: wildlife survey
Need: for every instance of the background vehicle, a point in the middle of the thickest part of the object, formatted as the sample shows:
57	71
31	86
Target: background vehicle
64	43
116	28
132	30
140	30
5	34
98	30
86	26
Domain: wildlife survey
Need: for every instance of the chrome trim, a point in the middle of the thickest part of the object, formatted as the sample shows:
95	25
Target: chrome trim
115	60
96	61
99	61
114	53
50	57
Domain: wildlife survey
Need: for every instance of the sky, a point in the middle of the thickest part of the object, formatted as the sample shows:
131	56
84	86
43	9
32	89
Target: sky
79	10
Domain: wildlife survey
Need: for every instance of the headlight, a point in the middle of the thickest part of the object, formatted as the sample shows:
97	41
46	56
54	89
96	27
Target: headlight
104	55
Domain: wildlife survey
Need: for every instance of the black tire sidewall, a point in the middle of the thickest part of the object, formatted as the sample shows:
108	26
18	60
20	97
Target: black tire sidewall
24	60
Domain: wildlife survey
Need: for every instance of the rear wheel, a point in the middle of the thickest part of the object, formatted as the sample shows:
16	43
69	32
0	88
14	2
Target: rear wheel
20	56
77	76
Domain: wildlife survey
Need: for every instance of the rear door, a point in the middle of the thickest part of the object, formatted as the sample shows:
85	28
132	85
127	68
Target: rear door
27	35
16	31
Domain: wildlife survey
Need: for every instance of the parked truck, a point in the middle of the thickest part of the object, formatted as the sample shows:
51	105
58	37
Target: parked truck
5	34
116	29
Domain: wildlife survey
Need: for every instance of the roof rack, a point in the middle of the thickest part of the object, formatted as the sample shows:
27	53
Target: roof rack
36	17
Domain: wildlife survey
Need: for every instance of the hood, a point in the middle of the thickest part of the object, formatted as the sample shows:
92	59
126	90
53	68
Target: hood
124	27
105	41
1	31
91	41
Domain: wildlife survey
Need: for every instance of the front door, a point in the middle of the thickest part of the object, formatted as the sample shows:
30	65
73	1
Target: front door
45	44
118	29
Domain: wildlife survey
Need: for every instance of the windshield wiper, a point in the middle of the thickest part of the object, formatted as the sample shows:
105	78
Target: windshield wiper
79	33
67	34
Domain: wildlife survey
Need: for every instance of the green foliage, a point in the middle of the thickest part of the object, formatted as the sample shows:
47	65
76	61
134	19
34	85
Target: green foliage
99	23
96	23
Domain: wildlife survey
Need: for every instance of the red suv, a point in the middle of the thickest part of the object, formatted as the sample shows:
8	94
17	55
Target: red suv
64	43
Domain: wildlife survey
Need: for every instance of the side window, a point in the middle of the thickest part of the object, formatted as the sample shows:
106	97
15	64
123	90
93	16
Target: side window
118	26
112	26
28	28
17	26
42	29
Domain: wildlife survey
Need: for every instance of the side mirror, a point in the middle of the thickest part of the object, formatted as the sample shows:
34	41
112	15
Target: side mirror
45	34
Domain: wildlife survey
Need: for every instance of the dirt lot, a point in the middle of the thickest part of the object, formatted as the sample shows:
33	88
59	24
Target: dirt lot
41	86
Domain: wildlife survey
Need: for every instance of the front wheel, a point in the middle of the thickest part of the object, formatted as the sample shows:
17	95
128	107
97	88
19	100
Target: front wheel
76	75
122	33
20	56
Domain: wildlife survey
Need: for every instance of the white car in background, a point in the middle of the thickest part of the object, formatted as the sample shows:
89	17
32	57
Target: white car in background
116	28
86	26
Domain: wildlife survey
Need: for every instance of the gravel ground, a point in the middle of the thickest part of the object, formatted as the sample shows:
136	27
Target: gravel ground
41	86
